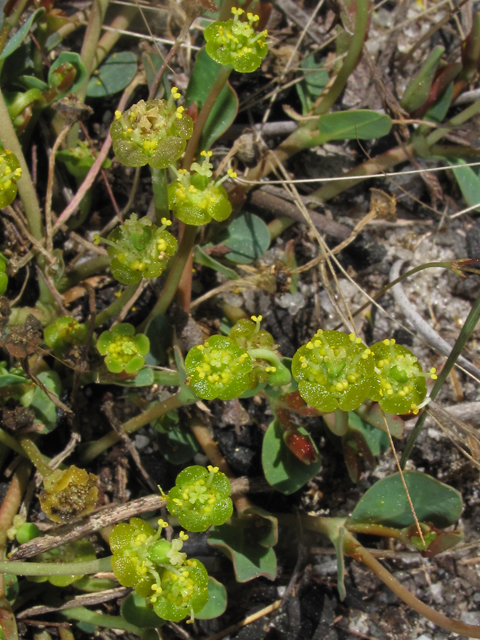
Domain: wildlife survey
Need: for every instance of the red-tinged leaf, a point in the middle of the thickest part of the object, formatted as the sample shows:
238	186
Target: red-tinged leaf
301	446
443	78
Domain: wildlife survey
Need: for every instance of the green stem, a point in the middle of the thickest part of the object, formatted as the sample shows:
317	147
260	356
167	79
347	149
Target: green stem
160	194
200	122
174	276
354	549
341	422
12	443
26	190
374	530
110	38
465	333
19	568
279	225
34	455
279	377
83	271
132	425
117	306
82	614
459	119
350	61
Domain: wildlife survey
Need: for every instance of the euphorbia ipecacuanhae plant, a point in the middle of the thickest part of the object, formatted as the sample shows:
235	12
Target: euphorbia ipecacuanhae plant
236	43
158	570
139	249
153	132
123	350
195	198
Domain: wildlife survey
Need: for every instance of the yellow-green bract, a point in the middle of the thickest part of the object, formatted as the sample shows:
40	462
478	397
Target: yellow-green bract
236	43
154	132
123	350
200	498
218	369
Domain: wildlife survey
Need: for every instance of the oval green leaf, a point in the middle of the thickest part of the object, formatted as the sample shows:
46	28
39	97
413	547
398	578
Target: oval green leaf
136	610
114	75
217	601
386	502
283	470
250	559
248	238
352	125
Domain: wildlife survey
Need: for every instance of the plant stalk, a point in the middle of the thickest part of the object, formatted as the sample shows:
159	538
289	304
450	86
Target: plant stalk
179	262
355	550
132	425
19	568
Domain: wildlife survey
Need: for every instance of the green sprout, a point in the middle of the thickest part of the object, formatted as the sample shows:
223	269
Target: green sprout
218	369
401	386
153	132
10	172
68	494
236	43
200	498
334	371
79	160
64	332
158	570
195	198
76	551
3	275
123	350
139	249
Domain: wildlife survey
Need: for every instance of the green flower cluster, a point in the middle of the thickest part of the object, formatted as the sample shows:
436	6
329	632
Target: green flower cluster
218	369
200	498
80	159
401	386
236	42
123	350
195	198
225	367
64	332
158	570
337	371
139	249
10	172
153	132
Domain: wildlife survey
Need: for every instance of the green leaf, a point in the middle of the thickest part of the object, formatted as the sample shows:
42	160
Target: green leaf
283	470
10	378
386	502
200	257
418	89
75	60
136	610
250	559
468	179
217	601
20	35
44	409
176	445
311	86
160	332
376	440
205	72
152	63
31	82
373	415
248	238
11	587
352	125
114	75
